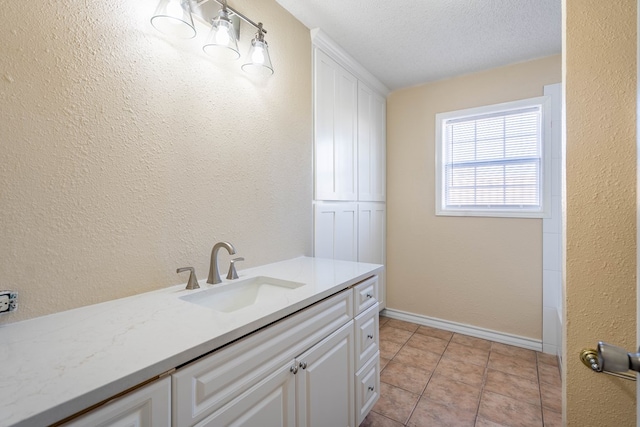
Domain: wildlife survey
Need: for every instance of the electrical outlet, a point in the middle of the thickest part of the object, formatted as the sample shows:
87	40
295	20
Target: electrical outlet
8	301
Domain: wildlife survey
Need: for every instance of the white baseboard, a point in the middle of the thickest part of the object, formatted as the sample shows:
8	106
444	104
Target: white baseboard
461	328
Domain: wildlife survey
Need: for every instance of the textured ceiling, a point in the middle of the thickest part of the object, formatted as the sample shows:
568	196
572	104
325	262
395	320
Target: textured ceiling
405	43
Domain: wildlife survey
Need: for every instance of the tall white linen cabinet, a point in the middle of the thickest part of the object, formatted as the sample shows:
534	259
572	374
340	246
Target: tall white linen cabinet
349	158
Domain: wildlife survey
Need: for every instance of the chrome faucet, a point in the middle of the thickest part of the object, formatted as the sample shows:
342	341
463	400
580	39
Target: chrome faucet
214	273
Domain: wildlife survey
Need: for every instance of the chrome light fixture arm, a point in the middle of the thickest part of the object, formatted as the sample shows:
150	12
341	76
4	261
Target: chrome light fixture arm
224	5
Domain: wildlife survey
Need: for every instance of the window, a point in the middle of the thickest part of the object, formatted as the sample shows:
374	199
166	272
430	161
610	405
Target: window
491	161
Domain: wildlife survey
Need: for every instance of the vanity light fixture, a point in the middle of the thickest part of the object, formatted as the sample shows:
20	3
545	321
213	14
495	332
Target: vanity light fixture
259	60
221	42
174	17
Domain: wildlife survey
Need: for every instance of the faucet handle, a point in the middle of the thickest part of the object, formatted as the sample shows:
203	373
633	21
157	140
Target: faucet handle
192	283
233	274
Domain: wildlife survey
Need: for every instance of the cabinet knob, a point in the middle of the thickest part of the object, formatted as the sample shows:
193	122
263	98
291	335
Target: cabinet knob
293	369
369	295
370	336
371	388
303	365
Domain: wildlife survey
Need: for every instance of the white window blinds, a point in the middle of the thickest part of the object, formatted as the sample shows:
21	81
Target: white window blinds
492	161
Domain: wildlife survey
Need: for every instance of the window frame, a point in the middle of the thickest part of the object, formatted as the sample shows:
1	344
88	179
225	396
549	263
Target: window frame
544	102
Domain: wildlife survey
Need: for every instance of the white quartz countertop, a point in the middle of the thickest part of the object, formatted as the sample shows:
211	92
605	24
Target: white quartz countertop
56	365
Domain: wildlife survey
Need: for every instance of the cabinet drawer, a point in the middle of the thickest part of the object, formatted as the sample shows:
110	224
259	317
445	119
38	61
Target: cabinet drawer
367	340
207	384
365	294
367	387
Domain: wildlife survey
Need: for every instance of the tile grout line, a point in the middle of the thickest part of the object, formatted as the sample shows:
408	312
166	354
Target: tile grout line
430	376
406	422
484	382
540	389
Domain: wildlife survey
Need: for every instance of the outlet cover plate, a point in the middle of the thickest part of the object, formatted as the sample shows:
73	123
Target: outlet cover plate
8	301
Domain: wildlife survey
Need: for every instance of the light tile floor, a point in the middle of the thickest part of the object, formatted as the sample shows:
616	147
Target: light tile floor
436	378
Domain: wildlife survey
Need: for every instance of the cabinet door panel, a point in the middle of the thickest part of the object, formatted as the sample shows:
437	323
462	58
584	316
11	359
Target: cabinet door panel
335	234
371	145
335	113
149	406
367	387
372	240
270	403
366	335
325	382
371	232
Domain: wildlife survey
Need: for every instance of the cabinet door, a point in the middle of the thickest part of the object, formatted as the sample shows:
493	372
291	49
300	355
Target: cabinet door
372	239
335	231
149	406
335	127
325	382
270	403
371	145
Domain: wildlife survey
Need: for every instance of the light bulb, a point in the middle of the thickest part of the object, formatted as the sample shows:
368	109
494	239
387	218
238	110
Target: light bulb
222	36
257	57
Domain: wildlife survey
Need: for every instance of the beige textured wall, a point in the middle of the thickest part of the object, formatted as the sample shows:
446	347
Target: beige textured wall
125	155
485	272
600	76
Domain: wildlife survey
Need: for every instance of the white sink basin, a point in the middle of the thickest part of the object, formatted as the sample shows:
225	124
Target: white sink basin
233	296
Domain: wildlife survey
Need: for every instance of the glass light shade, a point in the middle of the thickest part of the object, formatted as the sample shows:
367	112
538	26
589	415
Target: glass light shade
259	60
221	42
173	17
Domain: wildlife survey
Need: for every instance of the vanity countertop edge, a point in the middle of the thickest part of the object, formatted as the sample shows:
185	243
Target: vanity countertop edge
57	365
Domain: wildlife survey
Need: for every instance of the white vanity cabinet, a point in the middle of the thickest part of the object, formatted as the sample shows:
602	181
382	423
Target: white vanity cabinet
317	367
301	371
148	406
275	374
305	357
